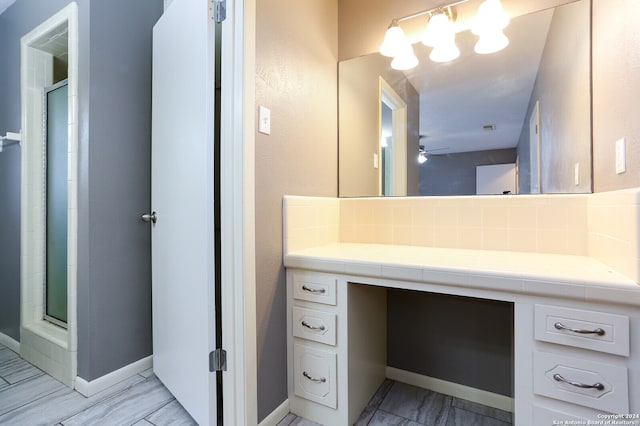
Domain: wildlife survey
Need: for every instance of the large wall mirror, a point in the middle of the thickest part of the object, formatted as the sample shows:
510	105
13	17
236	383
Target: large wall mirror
523	112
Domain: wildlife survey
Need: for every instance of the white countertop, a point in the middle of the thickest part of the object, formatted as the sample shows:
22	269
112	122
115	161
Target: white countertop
566	276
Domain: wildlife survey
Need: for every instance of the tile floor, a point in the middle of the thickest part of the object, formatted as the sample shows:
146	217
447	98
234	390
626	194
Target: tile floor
29	397
397	403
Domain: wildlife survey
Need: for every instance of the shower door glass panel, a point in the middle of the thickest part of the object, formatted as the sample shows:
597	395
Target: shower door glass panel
56	203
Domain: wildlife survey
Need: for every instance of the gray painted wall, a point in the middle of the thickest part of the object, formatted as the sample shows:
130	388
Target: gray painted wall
616	84
455	174
114	286
458	339
563	89
114	292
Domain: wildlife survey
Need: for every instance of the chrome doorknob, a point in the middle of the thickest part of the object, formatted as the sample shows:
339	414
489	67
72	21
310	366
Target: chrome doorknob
149	217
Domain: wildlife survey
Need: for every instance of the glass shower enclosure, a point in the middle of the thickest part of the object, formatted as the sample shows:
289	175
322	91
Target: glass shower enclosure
56	149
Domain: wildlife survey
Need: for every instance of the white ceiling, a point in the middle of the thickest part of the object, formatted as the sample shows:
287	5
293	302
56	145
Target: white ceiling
458	98
4	4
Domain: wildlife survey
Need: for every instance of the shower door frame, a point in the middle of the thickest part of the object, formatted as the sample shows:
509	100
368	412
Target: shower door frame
45	105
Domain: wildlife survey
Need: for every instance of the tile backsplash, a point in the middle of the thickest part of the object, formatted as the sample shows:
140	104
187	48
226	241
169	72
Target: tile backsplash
604	226
537	223
614	230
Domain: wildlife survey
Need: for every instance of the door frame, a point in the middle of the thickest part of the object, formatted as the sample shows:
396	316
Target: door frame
237	213
398	174
534	150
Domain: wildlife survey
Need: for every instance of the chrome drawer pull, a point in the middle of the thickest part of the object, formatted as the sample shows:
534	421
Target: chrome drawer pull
560	326
311	327
558	378
313	290
314	380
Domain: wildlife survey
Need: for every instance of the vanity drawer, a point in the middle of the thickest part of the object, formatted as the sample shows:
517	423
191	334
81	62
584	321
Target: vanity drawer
597	331
591	384
314	325
547	417
314	375
314	287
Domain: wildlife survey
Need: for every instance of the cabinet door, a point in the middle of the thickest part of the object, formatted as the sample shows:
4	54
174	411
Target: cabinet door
314	373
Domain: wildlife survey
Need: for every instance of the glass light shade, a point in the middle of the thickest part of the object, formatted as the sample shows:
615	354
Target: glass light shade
405	59
422	158
394	39
445	52
491	17
491	42
438	28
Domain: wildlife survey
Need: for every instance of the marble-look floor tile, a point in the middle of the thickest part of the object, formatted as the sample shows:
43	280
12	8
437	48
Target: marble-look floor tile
366	416
381	393
17	370
286	421
142	422
373	404
414	403
7	354
484	410
146	373
382	418
299	421
460	417
172	414
126	407
61	405
26	391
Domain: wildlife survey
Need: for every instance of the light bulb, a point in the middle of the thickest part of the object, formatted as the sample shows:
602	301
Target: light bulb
394	39
491	42
491	17
438	28
405	59
422	158
445	52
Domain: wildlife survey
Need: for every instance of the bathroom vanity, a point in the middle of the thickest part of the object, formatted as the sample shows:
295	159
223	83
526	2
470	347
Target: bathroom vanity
576	319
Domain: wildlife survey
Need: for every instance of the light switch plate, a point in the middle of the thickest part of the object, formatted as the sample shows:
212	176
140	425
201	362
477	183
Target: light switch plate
621	160
576	174
375	161
264	120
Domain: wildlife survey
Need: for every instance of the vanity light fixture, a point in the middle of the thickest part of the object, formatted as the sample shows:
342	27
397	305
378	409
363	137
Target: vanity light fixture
394	39
440	34
489	23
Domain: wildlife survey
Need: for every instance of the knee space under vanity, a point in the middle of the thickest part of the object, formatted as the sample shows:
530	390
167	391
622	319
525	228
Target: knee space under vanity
457	339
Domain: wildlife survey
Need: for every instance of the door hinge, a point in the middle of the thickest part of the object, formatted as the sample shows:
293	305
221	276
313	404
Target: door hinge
218	360
218	10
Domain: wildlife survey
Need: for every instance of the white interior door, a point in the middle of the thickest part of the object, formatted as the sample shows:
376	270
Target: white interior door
183	199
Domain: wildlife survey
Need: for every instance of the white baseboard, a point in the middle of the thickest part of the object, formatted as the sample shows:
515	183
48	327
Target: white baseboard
10	342
480	396
101	383
276	415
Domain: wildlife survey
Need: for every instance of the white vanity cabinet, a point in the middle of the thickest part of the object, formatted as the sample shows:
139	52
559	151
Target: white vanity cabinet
576	333
333	373
583	365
